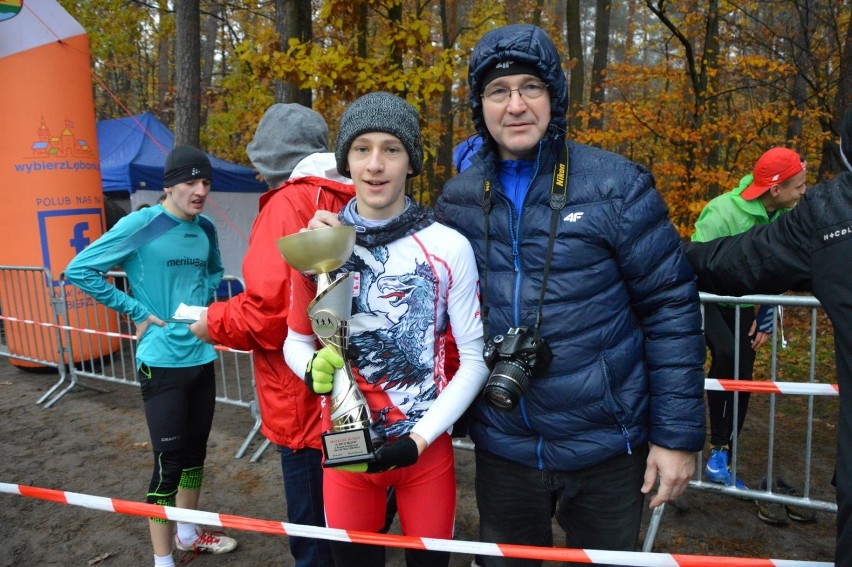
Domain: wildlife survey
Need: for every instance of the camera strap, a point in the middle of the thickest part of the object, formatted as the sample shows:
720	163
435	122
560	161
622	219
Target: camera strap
558	199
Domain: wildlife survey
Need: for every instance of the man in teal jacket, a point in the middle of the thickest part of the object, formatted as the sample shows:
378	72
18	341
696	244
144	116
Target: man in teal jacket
171	255
777	184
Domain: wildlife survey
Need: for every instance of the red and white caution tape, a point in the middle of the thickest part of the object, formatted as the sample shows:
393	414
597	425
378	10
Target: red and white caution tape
769	387
590	556
65	327
91	331
755	386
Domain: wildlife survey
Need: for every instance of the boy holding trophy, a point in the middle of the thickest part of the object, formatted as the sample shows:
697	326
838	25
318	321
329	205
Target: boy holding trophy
411	282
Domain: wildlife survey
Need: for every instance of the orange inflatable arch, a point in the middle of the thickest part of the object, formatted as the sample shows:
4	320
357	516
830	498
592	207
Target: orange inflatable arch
52	199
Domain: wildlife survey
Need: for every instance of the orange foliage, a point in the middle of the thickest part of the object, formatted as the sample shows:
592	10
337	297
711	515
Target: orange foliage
698	137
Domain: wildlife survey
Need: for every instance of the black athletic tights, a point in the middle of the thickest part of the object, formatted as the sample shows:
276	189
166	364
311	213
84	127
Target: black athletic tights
719	325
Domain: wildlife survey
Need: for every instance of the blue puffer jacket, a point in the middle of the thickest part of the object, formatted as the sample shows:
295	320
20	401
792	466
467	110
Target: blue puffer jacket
621	310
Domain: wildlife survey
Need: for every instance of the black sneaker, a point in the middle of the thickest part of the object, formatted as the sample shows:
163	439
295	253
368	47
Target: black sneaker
797	513
770	512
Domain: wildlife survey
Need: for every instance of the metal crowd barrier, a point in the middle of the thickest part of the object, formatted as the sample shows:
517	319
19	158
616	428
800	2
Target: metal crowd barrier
811	388
29	327
47	323
35	329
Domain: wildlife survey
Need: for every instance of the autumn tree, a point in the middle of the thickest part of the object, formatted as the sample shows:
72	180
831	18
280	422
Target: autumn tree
695	91
187	127
701	58
842	100
163	47
293	21
576	64
597	98
211	22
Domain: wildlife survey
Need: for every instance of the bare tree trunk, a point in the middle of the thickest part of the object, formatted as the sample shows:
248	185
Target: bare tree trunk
187	72
630	32
444	157
208	54
513	13
363	29
799	49
395	20
799	95
843	101
164	73
709	64
700	74
831	162
598	95
577	72
293	21
539	8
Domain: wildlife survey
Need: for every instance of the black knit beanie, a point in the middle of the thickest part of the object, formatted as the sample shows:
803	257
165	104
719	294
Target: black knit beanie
380	112
185	163
506	68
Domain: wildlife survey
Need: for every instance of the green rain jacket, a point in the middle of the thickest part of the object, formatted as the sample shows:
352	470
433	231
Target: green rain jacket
729	214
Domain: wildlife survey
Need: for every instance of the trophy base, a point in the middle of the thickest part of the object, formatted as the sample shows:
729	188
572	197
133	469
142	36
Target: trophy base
347	447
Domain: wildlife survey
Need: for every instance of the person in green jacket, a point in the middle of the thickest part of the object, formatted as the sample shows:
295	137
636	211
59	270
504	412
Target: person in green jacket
775	186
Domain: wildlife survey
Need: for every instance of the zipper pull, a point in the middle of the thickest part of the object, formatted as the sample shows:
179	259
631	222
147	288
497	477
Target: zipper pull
626	439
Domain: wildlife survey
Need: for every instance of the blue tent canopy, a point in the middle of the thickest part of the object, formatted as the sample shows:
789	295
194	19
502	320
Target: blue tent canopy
133	154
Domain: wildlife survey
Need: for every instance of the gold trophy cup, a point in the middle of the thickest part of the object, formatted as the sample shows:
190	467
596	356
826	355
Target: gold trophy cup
318	252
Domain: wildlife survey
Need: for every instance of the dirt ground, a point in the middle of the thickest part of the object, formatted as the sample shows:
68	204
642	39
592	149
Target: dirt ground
97	443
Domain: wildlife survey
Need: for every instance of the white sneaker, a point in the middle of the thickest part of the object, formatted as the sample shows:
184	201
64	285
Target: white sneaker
208	542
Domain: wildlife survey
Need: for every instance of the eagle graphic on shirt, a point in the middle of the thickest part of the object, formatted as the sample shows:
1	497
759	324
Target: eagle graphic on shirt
392	337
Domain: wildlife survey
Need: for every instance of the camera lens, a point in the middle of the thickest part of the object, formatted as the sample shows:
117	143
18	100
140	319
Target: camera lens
506	384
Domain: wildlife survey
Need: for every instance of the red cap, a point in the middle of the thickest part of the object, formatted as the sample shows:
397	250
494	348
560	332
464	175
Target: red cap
774	166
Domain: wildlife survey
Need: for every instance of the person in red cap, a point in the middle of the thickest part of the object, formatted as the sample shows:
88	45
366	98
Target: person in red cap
809	249
778	181
775	186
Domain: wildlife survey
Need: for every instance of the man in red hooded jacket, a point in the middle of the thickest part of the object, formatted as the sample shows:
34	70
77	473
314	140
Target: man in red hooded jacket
289	150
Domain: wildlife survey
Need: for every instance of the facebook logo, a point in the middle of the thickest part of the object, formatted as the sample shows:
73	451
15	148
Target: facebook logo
80	241
65	233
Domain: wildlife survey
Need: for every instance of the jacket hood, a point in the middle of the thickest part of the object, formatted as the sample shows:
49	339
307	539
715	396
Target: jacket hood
524	43
744	182
316	188
286	134
321	164
754	207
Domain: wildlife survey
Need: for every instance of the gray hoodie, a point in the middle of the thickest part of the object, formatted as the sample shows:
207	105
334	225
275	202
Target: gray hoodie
286	134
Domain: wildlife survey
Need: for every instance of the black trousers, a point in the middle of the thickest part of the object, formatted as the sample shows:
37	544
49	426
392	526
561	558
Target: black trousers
719	332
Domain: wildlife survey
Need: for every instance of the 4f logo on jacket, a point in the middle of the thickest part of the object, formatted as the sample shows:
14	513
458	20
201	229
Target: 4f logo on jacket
573	217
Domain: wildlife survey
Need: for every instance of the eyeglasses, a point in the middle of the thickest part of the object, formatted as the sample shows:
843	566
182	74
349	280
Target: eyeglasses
528	91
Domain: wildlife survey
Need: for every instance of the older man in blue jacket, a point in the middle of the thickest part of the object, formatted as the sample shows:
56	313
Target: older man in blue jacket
596	349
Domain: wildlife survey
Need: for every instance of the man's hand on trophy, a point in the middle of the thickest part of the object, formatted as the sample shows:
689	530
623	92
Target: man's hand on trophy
320	373
401	453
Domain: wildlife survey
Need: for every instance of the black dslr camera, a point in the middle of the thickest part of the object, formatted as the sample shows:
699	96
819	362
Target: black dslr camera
513	359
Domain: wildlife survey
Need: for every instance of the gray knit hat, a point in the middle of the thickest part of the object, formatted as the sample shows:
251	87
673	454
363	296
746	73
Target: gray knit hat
380	112
285	135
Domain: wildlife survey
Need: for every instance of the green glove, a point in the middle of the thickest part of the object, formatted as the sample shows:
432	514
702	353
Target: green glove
320	373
